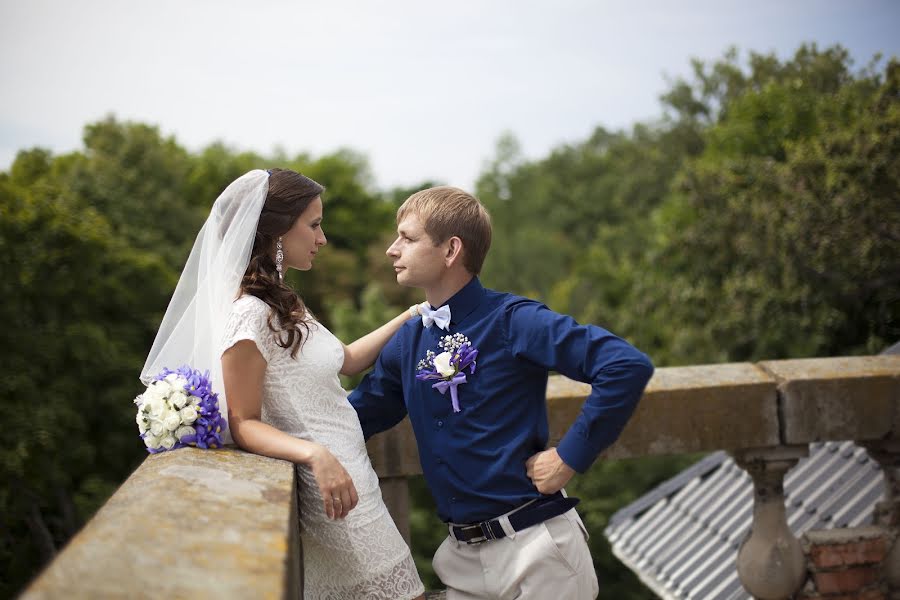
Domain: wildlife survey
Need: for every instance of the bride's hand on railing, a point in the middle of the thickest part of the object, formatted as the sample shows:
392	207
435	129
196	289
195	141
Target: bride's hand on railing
335	484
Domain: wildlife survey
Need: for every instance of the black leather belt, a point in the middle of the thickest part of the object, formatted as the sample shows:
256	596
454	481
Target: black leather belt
537	511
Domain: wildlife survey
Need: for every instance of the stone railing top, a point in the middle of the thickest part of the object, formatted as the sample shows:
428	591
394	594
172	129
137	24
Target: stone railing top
839	368
187	523
843	398
722	407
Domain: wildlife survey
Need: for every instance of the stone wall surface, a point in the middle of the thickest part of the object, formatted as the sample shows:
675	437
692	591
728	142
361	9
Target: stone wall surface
185	523
842	398
719	407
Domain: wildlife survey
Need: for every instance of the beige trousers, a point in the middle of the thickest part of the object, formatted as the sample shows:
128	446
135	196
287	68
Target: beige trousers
548	560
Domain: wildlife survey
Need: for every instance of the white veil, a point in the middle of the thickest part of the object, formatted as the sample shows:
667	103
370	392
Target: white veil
192	328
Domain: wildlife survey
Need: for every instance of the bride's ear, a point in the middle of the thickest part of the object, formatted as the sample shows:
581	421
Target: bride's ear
454	251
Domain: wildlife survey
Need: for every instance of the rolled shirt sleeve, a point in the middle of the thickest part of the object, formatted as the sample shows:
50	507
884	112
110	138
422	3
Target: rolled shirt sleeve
616	370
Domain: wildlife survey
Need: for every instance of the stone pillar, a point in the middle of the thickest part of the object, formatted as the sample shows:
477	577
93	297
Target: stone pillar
393	455
395	491
887	512
770	563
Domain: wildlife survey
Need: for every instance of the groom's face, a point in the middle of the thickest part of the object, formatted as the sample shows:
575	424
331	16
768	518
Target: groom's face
417	261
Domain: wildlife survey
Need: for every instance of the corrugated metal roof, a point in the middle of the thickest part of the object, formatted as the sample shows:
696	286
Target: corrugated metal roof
682	537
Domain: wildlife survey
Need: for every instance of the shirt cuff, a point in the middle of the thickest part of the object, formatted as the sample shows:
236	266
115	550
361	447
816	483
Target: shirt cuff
576	452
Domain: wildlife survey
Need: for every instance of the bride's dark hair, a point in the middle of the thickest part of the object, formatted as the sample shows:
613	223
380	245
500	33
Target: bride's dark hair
289	195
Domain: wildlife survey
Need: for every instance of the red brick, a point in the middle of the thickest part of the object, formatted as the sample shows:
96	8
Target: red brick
862	552
842	582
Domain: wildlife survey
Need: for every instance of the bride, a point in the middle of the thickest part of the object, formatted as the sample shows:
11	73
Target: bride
233	314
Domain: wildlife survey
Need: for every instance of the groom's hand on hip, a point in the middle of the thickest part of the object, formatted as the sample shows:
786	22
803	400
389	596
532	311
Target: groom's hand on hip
548	472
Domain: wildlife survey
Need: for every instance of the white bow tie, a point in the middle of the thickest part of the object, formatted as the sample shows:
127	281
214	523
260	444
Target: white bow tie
439	316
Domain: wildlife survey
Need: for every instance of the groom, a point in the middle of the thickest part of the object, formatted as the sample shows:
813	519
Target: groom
472	376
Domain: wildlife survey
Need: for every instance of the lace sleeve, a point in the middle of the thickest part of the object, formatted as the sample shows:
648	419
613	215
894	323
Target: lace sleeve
248	320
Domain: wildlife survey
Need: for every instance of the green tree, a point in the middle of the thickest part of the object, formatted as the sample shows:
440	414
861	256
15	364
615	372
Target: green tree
137	180
80	307
781	240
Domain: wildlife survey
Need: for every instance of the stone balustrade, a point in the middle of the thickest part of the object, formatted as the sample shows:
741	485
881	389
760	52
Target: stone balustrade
188	523
195	521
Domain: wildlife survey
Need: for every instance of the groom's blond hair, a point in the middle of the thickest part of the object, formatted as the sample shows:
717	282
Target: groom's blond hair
448	211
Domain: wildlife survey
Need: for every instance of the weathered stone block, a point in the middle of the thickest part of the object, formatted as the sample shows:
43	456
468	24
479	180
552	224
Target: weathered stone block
684	409
843	398
394	453
187	522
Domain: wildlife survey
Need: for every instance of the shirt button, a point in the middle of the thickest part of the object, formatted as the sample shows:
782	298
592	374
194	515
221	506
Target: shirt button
440	461
440	423
453	499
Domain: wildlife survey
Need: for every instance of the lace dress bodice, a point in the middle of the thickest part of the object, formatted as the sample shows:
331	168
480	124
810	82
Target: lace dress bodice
362	556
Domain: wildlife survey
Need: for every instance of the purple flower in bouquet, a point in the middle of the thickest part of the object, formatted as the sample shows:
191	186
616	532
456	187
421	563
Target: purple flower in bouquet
447	367
180	409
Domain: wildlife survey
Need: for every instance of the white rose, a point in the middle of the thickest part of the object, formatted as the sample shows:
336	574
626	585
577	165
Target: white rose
156	427
442	364
189	415
151	441
179	399
171	420
155	406
168	442
177	382
158	389
184	431
139	399
141	420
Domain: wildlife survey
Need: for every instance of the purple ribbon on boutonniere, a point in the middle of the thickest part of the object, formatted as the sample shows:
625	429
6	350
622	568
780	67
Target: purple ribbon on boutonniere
442	386
448	366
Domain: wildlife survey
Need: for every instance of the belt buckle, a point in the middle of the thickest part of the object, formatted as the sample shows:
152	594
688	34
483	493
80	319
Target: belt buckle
486	533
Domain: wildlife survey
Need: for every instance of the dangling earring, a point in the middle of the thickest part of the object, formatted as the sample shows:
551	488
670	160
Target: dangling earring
279	258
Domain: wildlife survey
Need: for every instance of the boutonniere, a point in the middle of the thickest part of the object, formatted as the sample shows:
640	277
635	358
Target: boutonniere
457	354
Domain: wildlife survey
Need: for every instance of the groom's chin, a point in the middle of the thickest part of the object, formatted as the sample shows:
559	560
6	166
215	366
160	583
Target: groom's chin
403	280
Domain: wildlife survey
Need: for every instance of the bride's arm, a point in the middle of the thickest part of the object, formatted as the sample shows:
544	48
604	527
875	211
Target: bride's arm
243	371
361	354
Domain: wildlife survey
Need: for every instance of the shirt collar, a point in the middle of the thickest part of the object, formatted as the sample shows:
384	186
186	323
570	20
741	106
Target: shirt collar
463	302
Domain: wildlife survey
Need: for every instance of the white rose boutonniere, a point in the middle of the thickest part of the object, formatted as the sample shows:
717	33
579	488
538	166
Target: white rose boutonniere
448	366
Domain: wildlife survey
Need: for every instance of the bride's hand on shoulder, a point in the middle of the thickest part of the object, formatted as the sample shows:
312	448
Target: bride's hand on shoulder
338	492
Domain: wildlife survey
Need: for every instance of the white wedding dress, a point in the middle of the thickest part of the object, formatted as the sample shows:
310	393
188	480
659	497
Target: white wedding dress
362	556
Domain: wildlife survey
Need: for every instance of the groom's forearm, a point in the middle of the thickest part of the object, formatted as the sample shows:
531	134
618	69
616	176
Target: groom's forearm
615	393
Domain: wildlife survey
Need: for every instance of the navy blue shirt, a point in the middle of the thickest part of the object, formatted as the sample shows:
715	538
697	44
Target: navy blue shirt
474	460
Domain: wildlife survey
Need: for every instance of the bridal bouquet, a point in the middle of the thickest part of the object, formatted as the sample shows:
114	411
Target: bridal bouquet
179	409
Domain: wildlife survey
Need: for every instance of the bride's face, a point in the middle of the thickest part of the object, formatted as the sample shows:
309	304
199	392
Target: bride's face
303	240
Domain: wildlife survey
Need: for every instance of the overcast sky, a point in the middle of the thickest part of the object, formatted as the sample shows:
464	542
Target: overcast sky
422	88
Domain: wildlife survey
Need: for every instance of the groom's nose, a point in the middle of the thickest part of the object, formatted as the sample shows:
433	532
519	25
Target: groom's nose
392	250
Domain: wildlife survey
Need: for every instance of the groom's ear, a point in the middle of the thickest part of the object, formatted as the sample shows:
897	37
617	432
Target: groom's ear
454	251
